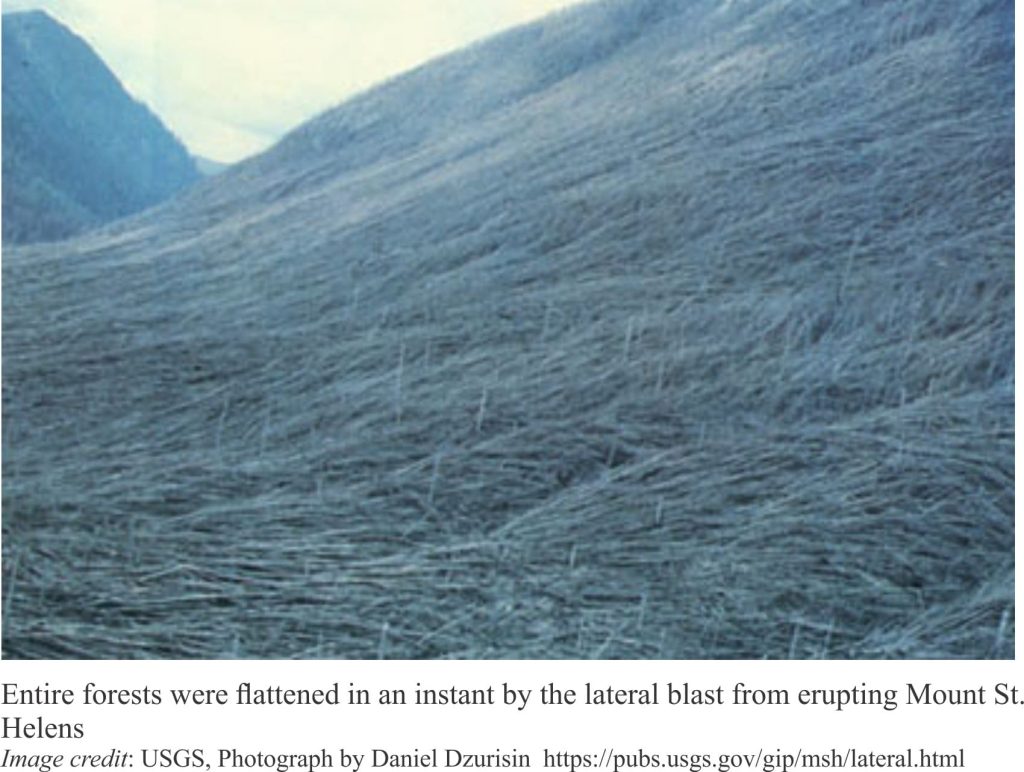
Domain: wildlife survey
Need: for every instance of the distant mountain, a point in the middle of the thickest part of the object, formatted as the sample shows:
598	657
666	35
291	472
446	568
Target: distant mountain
658	328
77	149
208	167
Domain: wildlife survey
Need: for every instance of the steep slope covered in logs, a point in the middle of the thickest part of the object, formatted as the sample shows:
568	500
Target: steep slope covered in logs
654	329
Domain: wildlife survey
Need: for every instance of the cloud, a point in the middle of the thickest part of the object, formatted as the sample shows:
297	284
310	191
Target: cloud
230	77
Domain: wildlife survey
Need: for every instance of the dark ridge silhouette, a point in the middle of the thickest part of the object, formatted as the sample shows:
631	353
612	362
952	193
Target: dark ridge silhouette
653	329
77	149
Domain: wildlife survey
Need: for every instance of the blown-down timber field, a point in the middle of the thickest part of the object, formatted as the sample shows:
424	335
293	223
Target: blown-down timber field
658	328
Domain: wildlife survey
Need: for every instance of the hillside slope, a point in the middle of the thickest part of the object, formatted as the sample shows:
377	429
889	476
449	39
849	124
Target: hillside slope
77	149
654	329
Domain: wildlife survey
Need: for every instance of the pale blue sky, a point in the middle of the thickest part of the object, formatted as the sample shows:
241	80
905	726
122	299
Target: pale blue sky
231	76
